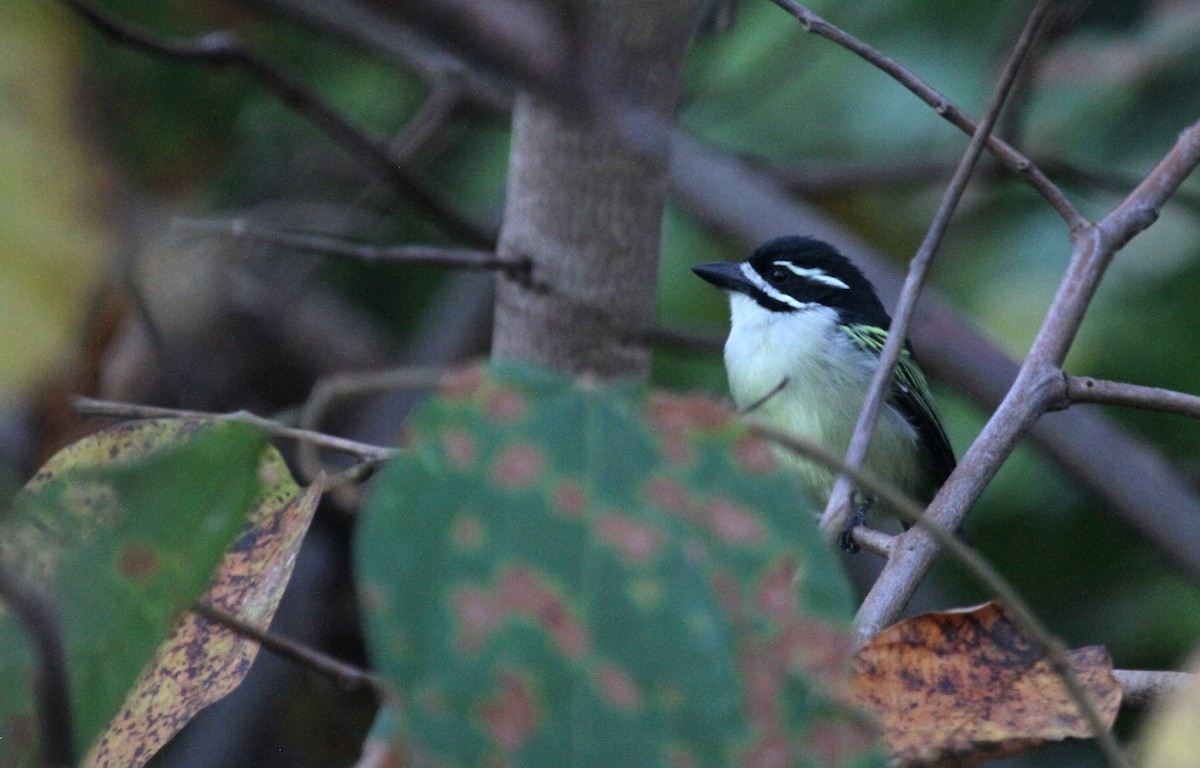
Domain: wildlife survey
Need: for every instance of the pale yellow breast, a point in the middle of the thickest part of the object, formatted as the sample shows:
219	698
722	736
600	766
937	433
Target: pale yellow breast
827	383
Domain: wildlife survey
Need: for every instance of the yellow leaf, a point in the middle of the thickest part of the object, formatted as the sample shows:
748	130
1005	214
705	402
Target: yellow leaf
53	238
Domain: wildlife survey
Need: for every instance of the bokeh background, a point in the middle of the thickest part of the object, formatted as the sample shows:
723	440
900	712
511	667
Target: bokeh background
119	173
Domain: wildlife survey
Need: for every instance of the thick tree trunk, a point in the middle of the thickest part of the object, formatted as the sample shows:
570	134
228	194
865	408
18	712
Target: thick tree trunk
586	210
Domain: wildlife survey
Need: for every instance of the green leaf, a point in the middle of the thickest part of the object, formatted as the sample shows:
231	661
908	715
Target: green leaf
122	529
577	575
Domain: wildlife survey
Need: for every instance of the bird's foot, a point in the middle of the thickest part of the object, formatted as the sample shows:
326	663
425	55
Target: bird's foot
846	537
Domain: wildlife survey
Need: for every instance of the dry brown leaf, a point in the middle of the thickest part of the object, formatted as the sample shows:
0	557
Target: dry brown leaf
203	662
960	687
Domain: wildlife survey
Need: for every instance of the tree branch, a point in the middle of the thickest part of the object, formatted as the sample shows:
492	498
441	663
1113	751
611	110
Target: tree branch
1142	687
975	564
814	179
93	407
837	509
1039	386
326	245
330	388
1084	389
379	33
223	49
348	676
1137	483
1009	156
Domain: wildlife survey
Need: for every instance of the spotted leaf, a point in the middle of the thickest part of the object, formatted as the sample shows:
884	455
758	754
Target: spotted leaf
567	574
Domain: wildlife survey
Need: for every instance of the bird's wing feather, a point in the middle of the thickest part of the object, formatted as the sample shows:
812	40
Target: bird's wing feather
909	394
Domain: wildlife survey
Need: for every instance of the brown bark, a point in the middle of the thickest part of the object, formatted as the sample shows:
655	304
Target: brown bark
586	209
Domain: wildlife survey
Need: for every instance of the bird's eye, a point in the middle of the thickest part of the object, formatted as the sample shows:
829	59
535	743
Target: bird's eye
778	275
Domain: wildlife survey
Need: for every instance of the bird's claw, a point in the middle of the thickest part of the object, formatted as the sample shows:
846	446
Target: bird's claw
846	537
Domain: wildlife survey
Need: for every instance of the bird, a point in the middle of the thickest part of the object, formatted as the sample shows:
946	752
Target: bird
806	331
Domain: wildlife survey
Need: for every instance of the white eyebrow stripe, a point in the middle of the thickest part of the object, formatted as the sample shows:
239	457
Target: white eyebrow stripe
816	275
762	285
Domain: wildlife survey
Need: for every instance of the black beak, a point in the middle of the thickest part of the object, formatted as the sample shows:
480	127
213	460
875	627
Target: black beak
724	275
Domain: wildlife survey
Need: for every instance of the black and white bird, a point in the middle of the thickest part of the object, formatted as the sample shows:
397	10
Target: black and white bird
806	331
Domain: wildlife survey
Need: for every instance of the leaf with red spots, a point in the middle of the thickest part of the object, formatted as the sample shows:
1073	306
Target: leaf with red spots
962	687
568	574
122	530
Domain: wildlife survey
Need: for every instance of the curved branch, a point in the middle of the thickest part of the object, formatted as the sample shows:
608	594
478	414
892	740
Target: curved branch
223	49
1008	155
1039	386
838	507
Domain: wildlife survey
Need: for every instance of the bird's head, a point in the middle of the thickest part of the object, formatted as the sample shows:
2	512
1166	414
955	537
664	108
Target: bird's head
800	274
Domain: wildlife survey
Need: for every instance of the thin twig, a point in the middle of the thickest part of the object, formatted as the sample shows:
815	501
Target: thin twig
1012	159
838	508
357	473
1038	387
93	407
430	125
223	49
817	178
760	402
373	30
1084	389
348	676
873	541
1143	687
52	689
1138	483
975	564
341	385
326	245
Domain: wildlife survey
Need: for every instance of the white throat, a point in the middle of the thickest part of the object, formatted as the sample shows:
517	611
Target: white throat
764	347
827	378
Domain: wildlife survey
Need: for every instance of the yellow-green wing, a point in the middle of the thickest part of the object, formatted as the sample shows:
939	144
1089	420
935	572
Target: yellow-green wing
909	394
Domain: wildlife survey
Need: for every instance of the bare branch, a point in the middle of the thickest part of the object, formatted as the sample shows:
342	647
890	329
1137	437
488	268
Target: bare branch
1084	389
1142	687
430	124
52	689
93	407
223	49
379	33
1039	386
1137	482
838	507
873	541
813	179
975	564
348	676
331	388
1008	155
326	245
